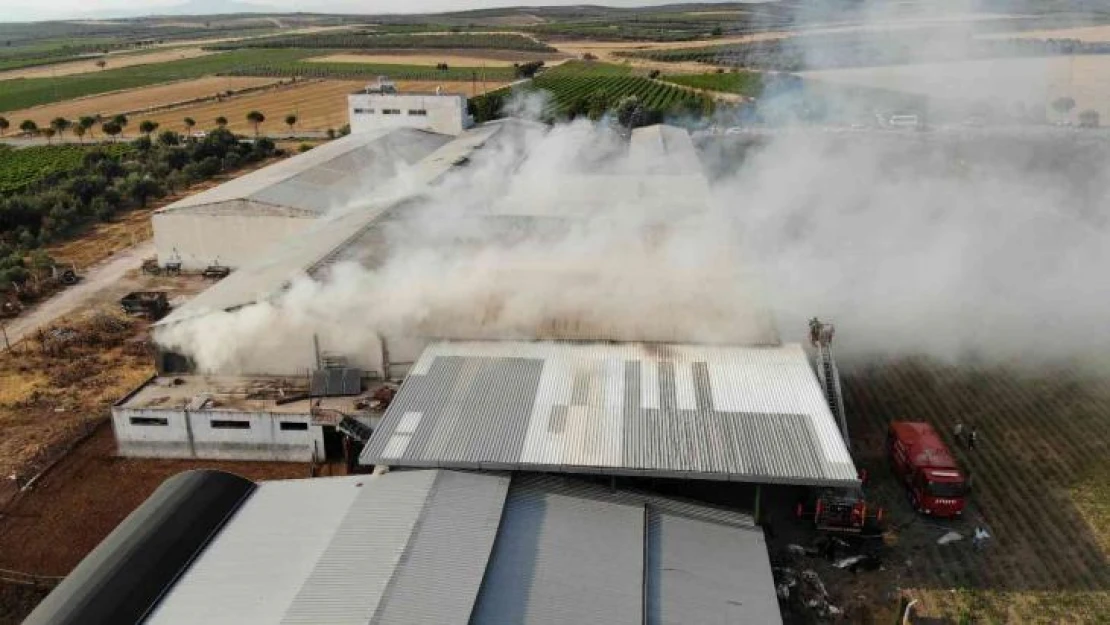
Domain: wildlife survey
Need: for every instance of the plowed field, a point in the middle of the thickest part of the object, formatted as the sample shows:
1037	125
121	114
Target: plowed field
1039	476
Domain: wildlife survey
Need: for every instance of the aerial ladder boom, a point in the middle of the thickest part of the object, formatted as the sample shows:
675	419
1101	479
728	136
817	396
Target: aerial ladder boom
821	336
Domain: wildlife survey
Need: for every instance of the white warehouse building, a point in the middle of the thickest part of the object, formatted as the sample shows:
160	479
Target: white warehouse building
381	106
236	222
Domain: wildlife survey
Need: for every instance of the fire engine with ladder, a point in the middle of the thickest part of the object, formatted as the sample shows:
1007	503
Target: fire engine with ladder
844	511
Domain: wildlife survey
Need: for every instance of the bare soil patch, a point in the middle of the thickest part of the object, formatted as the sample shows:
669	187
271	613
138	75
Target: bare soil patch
113	61
136	99
83	498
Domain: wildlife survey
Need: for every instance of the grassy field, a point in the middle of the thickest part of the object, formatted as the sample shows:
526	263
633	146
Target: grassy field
375	41
25	93
744	83
367	71
1040	476
87	65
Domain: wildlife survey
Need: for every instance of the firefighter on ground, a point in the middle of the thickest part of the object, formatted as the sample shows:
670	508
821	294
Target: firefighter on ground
972	438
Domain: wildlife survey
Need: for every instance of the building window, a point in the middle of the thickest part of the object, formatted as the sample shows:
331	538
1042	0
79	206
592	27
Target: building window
391	111
230	425
294	426
418	112
149	421
364	111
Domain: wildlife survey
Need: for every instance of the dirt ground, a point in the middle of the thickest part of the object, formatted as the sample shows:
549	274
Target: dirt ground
114	61
1040	478
318	105
64	377
136	99
80	501
460	58
86	495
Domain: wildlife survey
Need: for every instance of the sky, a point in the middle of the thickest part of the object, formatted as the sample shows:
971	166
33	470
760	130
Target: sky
20	10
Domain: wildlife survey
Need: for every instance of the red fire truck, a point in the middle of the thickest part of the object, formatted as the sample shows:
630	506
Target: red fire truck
935	482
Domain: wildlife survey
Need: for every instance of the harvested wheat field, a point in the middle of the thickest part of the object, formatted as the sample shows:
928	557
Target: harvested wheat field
138	99
317	105
112	61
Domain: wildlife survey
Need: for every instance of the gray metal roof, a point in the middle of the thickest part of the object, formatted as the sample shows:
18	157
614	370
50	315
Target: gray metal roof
325	178
295	256
554	547
752	414
447	547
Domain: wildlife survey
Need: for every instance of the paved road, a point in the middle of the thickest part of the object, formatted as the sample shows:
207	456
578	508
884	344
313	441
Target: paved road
95	280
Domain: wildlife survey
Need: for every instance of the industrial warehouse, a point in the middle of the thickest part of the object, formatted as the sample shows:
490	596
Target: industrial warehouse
418	547
495	434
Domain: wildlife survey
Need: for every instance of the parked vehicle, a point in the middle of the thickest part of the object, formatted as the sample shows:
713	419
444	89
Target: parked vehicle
936	484
151	304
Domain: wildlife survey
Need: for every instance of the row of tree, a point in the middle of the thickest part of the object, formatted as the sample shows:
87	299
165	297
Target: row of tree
115	125
66	201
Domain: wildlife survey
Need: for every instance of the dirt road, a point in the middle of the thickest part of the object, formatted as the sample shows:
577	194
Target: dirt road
96	279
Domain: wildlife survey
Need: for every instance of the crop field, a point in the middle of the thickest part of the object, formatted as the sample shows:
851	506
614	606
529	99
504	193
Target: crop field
25	93
317	105
66	67
570	93
23	167
369	41
744	83
1040	478
367	71
464	58
137	99
589	68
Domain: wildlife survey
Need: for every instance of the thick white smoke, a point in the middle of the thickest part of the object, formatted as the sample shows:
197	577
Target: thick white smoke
984	241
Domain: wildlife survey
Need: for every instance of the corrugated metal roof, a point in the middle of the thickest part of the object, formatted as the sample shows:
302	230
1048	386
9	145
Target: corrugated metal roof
350	578
257	564
701	572
295	256
688	411
564	559
447	547
327	177
448	551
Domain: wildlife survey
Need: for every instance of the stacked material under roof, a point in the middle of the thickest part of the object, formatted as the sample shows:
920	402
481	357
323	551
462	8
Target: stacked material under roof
419	547
753	414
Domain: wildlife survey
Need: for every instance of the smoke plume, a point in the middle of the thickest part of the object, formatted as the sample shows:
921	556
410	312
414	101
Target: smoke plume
962	240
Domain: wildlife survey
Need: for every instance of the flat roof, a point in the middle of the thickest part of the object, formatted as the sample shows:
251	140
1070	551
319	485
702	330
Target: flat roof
233	394
444	547
751	414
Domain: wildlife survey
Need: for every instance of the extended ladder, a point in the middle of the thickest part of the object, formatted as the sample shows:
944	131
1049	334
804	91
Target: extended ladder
821	337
